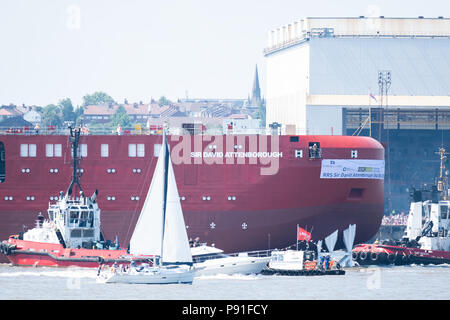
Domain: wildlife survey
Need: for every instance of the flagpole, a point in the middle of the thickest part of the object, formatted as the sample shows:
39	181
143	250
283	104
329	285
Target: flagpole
297	238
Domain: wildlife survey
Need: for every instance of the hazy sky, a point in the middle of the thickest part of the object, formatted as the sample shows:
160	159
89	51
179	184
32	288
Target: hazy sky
140	50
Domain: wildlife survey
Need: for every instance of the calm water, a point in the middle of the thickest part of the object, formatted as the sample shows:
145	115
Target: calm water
375	283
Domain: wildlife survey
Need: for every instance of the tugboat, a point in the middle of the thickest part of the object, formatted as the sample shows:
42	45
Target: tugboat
426	239
71	236
304	262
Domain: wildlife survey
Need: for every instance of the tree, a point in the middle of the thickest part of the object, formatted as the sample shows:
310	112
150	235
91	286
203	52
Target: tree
120	117
97	98
52	116
66	107
163	101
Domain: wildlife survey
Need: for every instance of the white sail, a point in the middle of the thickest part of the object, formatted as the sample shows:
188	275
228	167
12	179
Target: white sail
146	238
176	245
330	241
160	229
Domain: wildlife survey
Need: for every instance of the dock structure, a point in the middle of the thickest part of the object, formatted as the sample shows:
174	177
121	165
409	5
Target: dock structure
383	77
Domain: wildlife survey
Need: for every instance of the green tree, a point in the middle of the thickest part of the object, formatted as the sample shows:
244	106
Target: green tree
68	114
97	98
163	101
52	116
120	117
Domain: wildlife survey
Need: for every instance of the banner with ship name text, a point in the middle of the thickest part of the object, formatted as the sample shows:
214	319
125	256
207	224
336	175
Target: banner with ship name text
352	169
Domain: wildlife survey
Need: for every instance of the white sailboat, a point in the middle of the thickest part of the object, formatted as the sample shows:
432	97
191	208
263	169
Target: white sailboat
160	233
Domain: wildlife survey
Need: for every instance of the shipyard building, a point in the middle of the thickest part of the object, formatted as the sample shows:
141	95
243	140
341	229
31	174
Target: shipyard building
388	78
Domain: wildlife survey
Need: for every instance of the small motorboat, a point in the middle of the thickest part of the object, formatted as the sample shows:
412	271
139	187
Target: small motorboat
301	263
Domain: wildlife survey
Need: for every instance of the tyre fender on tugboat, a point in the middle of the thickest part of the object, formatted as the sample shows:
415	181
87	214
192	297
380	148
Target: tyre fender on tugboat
374	256
391	257
406	259
355	255
363	255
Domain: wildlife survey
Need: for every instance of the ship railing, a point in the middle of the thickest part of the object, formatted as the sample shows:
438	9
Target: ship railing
255	254
258	253
128	131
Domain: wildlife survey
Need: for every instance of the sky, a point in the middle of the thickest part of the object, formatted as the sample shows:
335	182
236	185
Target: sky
143	49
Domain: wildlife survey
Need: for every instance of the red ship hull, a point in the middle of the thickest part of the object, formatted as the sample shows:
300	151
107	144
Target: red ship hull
367	254
230	204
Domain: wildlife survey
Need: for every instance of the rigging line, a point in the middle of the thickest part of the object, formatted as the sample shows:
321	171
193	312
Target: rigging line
361	127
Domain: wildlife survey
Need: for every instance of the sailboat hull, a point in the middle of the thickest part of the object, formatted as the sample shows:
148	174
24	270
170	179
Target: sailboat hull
152	276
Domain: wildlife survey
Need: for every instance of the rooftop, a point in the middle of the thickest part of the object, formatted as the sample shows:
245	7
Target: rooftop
319	27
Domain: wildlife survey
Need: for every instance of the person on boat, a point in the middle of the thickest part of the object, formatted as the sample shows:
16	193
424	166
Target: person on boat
196	242
37	128
302	245
114	267
327	262
40	219
99	269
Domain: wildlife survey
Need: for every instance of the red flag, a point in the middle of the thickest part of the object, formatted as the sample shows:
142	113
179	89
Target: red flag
303	234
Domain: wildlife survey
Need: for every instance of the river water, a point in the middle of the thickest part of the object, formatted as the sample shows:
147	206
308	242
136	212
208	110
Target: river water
362	283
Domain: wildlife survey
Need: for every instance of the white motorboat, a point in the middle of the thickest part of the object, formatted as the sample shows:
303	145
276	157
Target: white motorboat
209	260
160	234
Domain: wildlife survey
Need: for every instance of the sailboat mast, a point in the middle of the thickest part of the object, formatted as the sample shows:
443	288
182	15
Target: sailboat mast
166	172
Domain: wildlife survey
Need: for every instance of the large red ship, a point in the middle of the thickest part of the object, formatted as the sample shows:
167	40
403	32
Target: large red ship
239	192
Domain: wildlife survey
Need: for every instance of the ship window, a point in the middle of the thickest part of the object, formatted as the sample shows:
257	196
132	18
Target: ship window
81	151
53	150
84	150
104	150
49	150
293	139
444	210
88	233
24	150
140	150
58	150
32	150
27	150
132	150
75	233
73	218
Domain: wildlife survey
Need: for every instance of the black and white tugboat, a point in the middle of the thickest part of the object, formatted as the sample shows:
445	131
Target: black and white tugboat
426	238
71	236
